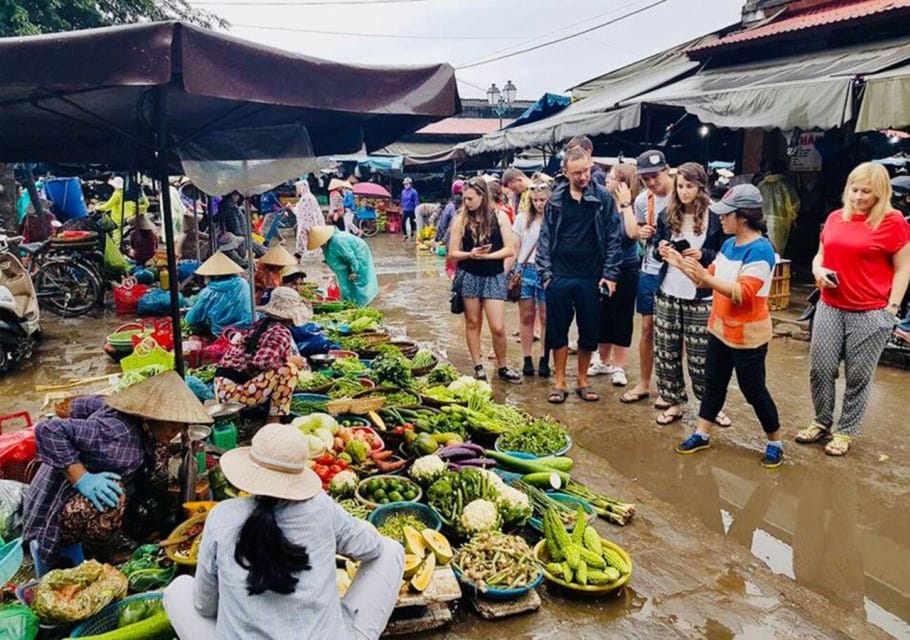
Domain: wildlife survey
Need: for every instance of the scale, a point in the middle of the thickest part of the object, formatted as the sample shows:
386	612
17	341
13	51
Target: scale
224	429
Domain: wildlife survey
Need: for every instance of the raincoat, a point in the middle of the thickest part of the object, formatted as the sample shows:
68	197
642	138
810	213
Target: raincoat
223	303
308	214
114	206
780	209
347	254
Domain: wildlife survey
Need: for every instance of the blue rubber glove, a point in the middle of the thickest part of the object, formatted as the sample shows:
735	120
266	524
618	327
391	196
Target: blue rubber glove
101	489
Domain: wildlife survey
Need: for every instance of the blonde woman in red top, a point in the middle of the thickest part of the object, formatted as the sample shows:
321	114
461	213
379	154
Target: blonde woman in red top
862	268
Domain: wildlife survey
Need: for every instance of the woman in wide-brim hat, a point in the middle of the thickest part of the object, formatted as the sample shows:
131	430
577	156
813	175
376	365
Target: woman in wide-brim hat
267	562
268	270
99	461
337	189
225	300
351	260
260	367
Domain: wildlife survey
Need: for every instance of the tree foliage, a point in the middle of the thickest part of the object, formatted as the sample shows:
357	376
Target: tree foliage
31	17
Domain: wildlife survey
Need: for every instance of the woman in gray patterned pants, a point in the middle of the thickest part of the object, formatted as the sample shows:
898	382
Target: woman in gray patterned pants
862	268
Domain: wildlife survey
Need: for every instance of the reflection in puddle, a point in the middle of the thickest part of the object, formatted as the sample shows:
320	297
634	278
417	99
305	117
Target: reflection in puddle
776	554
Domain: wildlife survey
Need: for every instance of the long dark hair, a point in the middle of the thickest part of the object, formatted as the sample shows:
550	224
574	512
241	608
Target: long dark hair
693	172
479	223
269	557
754	219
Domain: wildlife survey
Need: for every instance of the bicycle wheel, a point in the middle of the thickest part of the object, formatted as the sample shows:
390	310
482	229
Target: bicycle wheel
67	288
369	228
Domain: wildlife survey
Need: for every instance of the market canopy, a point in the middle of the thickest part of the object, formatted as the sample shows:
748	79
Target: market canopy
807	92
87	96
886	101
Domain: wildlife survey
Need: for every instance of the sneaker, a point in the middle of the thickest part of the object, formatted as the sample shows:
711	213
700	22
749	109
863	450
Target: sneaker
619	377
509	375
480	373
600	369
695	442
773	458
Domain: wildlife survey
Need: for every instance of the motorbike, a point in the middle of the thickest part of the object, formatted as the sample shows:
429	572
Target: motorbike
19	315
900	200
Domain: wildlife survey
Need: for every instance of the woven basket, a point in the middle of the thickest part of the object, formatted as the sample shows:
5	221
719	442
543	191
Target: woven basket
374	338
422	371
357	406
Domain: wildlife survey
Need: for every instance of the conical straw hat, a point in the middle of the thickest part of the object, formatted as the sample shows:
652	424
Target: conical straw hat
278	256
336	184
219	265
319	236
163	397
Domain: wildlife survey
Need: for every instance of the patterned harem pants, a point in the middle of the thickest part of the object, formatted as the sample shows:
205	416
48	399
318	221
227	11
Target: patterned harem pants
679	322
273	387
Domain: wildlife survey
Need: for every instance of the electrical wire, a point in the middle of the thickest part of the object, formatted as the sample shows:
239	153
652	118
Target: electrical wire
563	38
371	35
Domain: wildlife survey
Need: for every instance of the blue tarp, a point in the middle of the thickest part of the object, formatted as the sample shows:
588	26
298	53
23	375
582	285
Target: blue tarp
546	106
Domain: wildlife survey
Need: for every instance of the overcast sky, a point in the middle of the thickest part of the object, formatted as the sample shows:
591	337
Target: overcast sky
463	31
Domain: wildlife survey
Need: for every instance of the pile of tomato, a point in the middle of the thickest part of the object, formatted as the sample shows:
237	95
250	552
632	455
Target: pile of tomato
327	466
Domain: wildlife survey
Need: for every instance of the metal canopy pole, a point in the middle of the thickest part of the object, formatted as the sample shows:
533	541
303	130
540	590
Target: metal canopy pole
164	153
251	263
210	214
126	183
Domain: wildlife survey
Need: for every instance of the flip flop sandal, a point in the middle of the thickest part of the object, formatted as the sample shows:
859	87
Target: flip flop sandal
662	405
586	394
723	420
558	396
630	398
665	419
838	446
812	434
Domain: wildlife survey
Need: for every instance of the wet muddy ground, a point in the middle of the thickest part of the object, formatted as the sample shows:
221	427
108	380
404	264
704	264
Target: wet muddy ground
722	547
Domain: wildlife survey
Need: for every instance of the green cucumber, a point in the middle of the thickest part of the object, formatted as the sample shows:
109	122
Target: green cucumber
559	463
521	465
550	479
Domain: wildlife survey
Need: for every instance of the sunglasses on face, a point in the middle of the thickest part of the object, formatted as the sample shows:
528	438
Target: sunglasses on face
476	183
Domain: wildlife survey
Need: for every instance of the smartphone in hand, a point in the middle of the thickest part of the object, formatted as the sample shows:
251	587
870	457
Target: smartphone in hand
832	278
681	245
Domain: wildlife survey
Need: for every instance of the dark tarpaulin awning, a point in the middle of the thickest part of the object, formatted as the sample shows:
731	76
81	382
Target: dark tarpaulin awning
86	96
137	96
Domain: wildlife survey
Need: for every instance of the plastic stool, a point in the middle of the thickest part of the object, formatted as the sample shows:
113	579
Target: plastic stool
73	552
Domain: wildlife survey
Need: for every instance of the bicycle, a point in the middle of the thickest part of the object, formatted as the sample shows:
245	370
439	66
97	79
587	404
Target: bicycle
65	284
365	219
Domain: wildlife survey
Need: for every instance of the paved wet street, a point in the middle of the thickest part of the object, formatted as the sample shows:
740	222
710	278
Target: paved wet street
722	547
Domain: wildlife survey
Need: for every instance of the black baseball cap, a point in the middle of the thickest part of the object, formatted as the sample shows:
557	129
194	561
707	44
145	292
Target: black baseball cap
649	162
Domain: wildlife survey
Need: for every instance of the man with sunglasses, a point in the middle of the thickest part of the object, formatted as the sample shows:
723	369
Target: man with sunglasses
579	255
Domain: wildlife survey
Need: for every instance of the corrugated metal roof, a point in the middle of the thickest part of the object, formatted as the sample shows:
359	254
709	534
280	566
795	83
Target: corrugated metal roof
463	126
809	19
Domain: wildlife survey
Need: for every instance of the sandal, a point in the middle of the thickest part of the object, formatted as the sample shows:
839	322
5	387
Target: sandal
558	396
838	446
586	394
629	397
813	433
722	420
662	405
666	419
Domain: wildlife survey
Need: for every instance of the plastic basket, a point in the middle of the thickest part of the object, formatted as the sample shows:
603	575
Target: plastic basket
147	353
106	619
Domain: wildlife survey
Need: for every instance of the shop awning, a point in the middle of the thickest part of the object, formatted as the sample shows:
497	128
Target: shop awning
886	101
86	96
806	92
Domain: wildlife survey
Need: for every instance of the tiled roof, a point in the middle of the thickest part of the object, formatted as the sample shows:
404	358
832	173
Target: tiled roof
808	19
463	126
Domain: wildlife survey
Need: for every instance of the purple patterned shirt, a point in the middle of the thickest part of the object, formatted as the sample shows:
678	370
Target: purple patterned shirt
95	435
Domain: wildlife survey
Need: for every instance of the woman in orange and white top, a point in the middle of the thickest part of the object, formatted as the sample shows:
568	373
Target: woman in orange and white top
740	322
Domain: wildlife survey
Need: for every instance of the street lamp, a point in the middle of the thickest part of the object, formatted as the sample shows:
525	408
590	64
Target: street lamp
501	100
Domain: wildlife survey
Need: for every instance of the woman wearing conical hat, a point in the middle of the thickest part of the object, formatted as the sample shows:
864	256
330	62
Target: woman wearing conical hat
225	300
268	270
351	260
95	461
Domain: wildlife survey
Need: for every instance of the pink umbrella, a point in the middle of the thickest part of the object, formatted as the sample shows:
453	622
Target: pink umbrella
371	189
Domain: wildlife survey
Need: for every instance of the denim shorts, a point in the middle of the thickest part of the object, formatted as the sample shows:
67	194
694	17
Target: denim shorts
530	285
647	289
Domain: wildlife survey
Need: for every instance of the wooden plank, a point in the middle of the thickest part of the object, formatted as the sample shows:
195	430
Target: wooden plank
495	609
444	587
432	617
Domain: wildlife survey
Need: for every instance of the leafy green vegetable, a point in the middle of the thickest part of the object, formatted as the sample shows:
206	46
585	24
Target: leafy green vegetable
541	437
443	373
349	367
391	367
345	388
423	358
309	380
